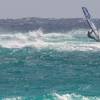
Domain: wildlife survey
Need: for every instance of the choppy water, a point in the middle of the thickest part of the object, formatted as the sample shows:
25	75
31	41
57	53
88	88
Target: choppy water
50	66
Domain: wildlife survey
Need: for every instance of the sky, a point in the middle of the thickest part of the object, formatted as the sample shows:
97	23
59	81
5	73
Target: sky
48	8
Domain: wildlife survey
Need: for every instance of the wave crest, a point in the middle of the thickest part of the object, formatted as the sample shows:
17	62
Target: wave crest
73	40
54	96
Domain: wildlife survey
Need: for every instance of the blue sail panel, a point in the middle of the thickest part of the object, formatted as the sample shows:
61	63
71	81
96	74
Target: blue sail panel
86	13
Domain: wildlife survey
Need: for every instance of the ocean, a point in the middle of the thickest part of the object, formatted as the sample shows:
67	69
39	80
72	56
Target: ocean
48	59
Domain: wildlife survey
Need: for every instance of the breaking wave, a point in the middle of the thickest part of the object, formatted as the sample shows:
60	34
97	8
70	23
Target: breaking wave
74	97
54	96
72	40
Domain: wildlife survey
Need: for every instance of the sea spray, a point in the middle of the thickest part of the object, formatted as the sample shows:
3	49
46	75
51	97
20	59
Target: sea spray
58	41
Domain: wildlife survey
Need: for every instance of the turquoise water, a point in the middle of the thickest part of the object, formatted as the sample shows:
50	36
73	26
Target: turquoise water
52	66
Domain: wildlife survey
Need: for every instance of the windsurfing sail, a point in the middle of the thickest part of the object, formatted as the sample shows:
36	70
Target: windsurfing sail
90	23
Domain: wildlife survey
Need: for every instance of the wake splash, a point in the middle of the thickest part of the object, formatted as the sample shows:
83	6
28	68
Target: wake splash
73	40
54	96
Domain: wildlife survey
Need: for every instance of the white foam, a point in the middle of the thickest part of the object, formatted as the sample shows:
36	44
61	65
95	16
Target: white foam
73	40
75	97
13	98
54	96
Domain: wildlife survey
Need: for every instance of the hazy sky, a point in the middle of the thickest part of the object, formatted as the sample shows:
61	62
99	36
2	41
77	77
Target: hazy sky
47	8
